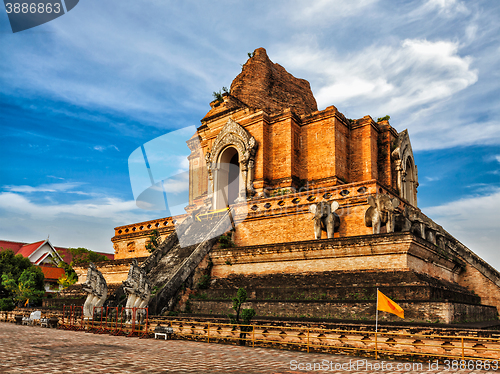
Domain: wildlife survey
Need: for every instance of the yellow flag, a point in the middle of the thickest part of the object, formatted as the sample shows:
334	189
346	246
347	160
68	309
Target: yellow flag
387	305
27	301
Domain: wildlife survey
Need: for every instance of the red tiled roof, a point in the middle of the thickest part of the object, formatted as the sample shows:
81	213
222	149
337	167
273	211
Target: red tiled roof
68	257
15	246
28	249
51	272
110	256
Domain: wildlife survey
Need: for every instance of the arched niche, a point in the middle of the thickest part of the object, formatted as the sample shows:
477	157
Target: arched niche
233	146
407	173
227	178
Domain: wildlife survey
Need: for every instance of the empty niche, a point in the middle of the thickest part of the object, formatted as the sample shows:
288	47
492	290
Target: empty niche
362	189
131	247
344	192
267	205
254	208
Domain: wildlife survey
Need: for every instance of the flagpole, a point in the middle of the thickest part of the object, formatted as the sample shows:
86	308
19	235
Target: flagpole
376	328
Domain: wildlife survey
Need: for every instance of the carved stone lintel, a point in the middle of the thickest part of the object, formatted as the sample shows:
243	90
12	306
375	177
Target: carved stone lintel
232	134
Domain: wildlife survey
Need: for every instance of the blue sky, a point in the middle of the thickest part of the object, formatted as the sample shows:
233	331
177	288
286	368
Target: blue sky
79	94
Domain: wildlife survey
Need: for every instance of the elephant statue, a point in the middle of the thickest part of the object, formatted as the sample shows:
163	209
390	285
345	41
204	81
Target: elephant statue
413	221
325	218
381	212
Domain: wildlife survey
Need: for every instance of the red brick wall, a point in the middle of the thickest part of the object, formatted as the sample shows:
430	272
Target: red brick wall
363	150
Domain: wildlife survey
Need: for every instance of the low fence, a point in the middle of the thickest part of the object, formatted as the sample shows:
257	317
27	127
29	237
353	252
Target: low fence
341	341
136	322
57	303
107	320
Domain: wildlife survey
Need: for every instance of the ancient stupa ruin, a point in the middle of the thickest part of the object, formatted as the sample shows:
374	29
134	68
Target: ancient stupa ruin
322	211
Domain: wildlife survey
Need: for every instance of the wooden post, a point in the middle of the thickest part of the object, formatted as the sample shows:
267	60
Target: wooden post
307	340
208	333
463	355
253	335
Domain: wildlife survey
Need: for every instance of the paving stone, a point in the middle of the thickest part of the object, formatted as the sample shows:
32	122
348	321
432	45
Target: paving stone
25	349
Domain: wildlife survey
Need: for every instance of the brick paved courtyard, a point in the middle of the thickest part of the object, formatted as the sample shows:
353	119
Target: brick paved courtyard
25	349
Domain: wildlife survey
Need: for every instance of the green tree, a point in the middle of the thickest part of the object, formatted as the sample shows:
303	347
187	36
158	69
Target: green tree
69	276
27	286
14	265
67	280
153	241
82	256
245	314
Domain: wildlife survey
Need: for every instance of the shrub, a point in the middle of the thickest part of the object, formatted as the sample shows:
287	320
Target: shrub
226	242
7	304
204	282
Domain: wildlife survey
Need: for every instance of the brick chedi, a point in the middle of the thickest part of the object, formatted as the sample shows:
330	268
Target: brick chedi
321	203
267	86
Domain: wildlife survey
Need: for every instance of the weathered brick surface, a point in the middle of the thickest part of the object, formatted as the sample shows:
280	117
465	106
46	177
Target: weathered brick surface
115	272
130	241
416	311
265	85
486	288
298	147
313	156
378	252
346	295
330	286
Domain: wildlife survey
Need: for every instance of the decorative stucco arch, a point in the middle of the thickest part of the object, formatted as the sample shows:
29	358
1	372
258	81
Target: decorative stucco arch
232	135
407	173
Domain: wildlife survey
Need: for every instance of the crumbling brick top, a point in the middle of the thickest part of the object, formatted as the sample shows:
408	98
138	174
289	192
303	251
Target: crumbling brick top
267	86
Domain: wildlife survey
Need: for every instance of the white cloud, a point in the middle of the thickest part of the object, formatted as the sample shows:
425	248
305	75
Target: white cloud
473	221
102	148
452	133
432	179
391	79
446	8
53	187
177	183
85	223
110	208
322	10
